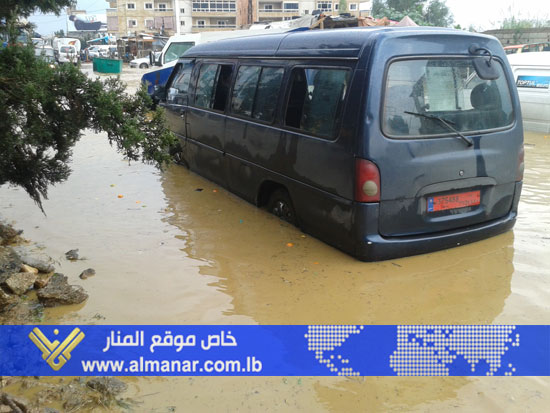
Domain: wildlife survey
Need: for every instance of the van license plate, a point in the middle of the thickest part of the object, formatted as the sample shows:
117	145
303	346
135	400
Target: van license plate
444	202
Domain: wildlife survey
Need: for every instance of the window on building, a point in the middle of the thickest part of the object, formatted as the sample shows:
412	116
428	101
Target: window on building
268	7
290	6
214	5
213	86
148	6
353	7
324	5
182	11
131	6
182	22
200	23
132	23
162	6
316	100
336	6
221	23
149	23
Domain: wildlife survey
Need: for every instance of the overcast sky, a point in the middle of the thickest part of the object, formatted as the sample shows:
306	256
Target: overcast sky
482	14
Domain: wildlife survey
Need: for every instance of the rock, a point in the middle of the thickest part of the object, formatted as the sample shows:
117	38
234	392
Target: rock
8	234
21	282
9	263
72	255
6	300
59	292
42	280
17	404
108	386
28	268
35	259
87	273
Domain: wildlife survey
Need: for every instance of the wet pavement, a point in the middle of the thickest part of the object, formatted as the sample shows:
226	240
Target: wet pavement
173	248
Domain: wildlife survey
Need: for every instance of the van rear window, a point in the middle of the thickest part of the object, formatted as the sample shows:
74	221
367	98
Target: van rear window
420	91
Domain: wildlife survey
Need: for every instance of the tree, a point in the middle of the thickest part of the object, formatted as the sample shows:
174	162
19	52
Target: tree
59	33
423	12
43	112
342	6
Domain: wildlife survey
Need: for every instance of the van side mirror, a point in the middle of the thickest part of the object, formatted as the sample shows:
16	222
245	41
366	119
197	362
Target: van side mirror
159	93
484	65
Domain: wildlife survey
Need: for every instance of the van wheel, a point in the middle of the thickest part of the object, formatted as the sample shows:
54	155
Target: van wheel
143	66
280	205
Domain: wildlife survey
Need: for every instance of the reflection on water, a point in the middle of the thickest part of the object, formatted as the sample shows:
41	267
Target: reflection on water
178	249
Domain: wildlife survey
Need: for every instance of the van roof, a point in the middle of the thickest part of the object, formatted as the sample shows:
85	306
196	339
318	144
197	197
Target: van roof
338	43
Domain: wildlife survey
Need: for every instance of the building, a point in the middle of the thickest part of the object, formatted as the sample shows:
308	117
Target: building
169	17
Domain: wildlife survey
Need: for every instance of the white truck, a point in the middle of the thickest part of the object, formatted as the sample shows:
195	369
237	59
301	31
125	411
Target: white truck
67	49
178	45
532	77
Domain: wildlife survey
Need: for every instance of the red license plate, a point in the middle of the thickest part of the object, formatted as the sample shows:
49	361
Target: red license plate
444	202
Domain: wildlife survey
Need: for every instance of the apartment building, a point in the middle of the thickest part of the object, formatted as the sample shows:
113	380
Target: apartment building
187	16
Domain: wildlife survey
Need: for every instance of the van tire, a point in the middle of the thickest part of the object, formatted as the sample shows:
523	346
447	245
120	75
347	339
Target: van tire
280	205
143	66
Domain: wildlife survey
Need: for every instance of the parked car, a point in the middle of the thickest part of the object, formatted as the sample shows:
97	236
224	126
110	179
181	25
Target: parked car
143	62
47	54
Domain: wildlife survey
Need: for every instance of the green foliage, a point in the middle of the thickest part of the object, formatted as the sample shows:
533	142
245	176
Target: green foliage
59	33
423	12
44	110
516	23
342	6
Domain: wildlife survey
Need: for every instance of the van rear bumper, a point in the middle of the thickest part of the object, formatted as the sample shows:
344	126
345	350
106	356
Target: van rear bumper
374	247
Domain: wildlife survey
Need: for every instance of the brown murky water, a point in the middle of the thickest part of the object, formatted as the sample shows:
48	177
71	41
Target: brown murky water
167	253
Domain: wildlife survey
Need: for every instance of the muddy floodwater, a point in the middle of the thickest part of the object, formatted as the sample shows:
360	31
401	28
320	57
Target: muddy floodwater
173	248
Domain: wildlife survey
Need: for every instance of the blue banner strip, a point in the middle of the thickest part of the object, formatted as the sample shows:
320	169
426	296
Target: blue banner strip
275	350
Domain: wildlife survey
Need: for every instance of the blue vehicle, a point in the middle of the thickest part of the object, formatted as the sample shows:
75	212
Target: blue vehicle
383	142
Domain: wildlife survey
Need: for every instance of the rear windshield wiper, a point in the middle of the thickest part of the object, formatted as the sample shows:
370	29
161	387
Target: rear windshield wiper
445	122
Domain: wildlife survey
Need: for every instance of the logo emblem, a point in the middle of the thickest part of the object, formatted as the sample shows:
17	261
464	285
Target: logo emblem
56	354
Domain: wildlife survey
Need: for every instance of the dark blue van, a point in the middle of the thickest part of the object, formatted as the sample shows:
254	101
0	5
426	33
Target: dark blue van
383	142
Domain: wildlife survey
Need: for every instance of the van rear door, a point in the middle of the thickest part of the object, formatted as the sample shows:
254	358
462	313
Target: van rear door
447	145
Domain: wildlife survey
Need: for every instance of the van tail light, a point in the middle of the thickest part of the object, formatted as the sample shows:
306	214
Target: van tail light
521	164
367	181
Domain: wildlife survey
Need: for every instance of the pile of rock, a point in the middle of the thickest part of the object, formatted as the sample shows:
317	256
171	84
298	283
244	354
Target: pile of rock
22	270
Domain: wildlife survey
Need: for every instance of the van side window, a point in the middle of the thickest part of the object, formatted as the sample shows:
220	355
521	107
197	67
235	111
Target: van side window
256	91
213	86
177	93
245	90
316	100
267	93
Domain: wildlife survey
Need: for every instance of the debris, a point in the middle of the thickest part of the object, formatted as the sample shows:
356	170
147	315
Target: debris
289	244
8	234
21	282
72	255
87	273
120	196
108	386
198	190
6	300
59	292
17	405
9	262
37	260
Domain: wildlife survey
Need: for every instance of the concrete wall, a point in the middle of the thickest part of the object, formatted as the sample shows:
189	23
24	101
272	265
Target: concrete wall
511	37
